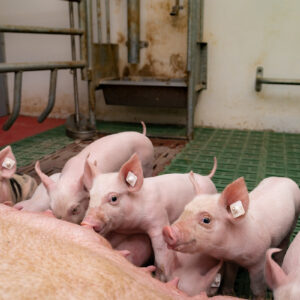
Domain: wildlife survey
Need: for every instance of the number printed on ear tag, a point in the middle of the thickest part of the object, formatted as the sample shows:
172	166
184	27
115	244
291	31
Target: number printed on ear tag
8	163
237	209
131	179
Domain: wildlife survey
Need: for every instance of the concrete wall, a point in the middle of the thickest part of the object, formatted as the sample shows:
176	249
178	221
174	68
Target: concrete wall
241	35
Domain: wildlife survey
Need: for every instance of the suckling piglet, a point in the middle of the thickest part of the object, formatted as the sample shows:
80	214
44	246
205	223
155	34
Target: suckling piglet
237	226
126	202
40	200
285	280
68	198
13	187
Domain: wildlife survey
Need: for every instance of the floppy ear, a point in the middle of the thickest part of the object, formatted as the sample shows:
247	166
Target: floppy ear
46	180
8	164
90	172
275	276
235	198
131	173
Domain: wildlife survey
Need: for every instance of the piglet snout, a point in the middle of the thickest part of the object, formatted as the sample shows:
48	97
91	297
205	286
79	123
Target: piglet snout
169	236
89	223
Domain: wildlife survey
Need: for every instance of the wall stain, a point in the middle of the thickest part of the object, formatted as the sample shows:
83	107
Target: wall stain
121	38
176	62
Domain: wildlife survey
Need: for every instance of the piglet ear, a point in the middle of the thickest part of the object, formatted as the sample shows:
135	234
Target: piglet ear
8	163
46	180
235	198
131	173
90	172
275	276
212	277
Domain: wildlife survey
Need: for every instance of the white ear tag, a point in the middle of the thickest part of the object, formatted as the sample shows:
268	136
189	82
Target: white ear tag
217	281
131	179
8	163
237	209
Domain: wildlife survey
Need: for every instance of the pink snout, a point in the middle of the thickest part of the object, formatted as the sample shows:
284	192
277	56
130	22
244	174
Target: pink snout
169	235
92	224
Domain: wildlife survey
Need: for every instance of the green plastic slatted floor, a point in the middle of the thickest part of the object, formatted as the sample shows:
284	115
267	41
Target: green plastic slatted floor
254	155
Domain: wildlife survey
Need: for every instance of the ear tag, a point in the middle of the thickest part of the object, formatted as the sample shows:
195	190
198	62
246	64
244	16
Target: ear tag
217	281
8	163
131	179
237	209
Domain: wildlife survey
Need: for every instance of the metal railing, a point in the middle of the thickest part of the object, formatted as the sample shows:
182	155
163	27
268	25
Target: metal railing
84	33
260	80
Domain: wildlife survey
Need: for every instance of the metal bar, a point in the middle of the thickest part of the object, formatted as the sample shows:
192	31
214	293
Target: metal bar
99	21
74	71
4	107
17	101
133	39
14	67
107	11
39	30
51	99
91	85
260	80
82	26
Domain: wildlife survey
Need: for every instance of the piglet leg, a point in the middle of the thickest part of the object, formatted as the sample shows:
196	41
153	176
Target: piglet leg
165	259
257	281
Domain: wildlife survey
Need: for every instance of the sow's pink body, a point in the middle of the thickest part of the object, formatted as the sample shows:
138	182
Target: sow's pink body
52	259
207	224
285	280
144	207
68	198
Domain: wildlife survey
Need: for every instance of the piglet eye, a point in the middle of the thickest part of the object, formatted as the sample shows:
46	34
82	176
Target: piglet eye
206	220
114	198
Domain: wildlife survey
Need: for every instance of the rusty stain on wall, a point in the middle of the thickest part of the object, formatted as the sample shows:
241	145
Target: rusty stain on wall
64	106
165	56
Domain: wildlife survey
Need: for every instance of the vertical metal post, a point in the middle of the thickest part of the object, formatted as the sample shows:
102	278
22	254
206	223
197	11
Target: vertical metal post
107	8
91	85
99	21
195	23
133	38
74	71
83	39
4	109
17	101
51	99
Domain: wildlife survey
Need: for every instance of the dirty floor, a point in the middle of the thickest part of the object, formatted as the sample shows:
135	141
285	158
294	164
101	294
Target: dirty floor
254	155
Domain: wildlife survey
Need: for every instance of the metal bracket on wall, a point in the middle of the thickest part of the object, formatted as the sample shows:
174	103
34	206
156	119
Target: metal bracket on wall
197	60
260	80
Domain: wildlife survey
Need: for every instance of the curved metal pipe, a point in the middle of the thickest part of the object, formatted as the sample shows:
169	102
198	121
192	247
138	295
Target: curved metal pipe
17	101
51	99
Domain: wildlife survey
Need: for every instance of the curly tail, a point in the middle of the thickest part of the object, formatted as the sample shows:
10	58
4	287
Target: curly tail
213	171
144	128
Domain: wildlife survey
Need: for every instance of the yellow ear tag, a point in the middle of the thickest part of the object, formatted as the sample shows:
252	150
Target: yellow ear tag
237	209
217	281
131	179
8	163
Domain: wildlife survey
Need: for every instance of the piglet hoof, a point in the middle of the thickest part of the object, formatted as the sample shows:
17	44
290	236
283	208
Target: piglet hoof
124	253
149	269
86	226
8	203
18	207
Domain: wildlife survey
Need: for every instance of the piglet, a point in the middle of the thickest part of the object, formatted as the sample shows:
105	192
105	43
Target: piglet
13	187
237	226
126	202
40	200
68	198
285	280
